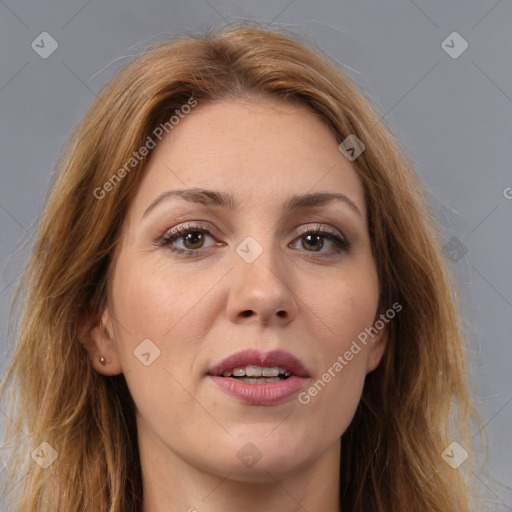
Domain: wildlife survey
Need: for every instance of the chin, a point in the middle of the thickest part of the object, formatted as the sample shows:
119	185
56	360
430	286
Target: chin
268	469
261	459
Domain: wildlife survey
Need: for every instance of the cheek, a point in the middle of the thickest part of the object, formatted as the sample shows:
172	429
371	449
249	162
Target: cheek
343	308
152	302
160	320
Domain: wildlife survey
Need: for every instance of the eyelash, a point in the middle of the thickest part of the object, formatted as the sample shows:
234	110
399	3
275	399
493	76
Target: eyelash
341	243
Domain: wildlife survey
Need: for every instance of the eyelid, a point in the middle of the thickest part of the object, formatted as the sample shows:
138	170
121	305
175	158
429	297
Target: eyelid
201	225
189	225
322	227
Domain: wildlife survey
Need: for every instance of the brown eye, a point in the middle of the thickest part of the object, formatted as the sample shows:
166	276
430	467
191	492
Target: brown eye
313	242
193	240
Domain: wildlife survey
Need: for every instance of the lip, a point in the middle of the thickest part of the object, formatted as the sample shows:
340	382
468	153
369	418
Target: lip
260	394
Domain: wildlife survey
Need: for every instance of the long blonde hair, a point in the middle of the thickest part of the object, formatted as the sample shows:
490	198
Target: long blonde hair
391	453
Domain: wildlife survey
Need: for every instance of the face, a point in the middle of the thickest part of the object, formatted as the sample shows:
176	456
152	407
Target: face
267	279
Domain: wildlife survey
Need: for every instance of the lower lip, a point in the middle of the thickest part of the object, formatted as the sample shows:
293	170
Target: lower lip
260	394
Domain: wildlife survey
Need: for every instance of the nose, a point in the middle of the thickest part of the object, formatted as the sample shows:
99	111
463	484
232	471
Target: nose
262	290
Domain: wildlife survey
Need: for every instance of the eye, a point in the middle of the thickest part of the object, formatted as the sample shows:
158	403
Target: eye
193	238
313	240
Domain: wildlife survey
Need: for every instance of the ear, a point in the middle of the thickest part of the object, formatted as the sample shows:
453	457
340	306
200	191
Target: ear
97	336
376	347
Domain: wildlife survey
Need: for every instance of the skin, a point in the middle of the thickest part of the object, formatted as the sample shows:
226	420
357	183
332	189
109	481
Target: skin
199	310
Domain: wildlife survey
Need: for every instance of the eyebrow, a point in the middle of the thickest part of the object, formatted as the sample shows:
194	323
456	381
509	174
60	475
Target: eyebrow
223	200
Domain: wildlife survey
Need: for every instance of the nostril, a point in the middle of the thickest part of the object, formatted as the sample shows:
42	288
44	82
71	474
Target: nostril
247	313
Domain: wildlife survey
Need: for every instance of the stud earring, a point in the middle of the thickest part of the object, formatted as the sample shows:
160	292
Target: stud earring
102	360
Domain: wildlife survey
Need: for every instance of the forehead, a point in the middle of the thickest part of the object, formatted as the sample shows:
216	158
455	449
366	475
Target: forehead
258	151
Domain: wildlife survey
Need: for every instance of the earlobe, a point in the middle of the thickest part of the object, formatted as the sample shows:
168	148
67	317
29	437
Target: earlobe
97	336
376	349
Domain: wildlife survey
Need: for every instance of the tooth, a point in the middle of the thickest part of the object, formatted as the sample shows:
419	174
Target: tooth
257	371
253	371
253	381
270	372
261	381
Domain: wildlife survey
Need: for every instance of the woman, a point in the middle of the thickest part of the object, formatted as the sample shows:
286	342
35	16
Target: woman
237	300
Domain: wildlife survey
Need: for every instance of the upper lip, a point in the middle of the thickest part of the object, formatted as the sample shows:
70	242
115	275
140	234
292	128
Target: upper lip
253	357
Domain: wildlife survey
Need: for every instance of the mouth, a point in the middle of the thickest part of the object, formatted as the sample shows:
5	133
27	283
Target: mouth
257	374
259	378
256	365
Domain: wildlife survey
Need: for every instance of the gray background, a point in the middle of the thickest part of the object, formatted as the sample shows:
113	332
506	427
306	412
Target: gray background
452	115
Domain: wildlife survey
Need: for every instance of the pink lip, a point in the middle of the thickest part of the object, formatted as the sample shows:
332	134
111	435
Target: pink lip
260	394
